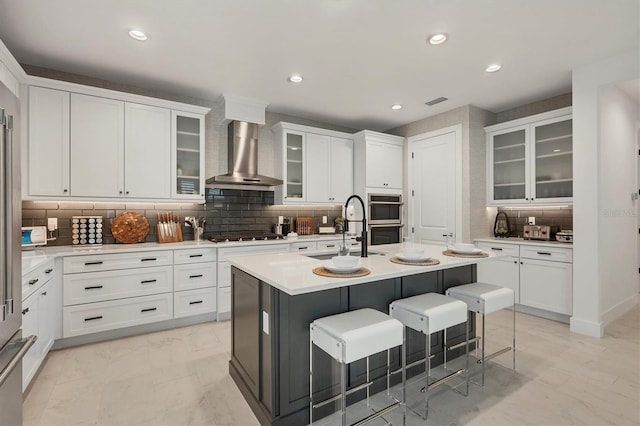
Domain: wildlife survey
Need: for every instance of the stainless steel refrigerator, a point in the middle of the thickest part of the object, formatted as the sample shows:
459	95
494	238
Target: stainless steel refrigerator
12	345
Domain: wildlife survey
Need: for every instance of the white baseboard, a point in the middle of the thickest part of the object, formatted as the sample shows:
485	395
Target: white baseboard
620	309
589	328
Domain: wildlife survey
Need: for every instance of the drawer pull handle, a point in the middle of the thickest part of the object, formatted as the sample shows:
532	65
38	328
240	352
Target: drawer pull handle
48	271
44	293
303	248
99	262
546	253
496	249
148	281
93	287
196	302
148	259
195	255
148	310
330	245
195	276
93	318
25	311
33	281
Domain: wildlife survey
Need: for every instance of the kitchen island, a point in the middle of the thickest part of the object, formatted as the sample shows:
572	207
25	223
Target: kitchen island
276	296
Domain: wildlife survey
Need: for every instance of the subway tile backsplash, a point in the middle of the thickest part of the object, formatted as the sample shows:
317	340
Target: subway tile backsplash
228	211
562	217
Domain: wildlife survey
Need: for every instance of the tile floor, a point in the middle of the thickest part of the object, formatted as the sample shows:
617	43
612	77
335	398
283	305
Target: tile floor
180	377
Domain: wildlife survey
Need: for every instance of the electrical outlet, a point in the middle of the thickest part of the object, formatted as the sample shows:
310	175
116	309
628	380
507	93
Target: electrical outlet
531	220
52	223
324	219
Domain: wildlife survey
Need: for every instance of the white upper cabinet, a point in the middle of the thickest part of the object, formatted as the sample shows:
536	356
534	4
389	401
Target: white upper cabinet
97	146
82	146
187	169
147	151
530	160
48	142
329	168
316	165
378	161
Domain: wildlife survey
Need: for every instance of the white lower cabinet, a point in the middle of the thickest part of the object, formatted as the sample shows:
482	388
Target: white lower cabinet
194	282
540	275
41	316
547	285
113	314
194	302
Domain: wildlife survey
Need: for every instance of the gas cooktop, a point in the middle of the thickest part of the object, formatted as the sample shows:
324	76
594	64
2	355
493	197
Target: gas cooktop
224	238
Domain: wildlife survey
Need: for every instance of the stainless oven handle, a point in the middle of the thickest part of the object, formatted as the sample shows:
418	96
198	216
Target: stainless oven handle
26	344
389	203
395	225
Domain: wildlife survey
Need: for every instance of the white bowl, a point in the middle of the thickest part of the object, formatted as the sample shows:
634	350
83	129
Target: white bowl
464	247
412	252
345	261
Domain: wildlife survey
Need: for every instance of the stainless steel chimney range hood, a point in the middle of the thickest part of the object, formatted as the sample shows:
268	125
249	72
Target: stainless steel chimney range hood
243	159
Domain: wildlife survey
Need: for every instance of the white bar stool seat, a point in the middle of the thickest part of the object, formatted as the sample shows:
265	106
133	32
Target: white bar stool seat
485	299
349	337
429	313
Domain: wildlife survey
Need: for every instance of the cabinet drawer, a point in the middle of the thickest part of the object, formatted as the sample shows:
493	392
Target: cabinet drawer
558	254
223	253
224	300
194	255
110	285
194	302
114	314
331	245
197	275
302	246
108	262
500	248
37	278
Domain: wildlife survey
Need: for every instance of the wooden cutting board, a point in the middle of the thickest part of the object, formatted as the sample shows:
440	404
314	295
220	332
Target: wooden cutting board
130	227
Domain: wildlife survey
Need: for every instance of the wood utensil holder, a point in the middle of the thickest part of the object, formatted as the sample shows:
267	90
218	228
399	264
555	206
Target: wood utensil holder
304	226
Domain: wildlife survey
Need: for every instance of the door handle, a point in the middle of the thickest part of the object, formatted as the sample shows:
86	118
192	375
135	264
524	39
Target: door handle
15	361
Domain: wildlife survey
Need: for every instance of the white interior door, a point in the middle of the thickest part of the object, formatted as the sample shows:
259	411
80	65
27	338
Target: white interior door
433	189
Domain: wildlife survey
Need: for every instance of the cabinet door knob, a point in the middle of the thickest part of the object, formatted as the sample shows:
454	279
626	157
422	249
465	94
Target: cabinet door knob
24	311
120	192
127	193
65	190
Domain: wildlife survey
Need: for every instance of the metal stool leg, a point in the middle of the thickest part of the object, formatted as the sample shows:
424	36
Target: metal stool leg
483	339
428	375
466	336
343	390
310	377
514	333
404	375
368	382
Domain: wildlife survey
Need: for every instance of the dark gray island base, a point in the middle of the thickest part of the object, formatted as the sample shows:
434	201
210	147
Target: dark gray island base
270	360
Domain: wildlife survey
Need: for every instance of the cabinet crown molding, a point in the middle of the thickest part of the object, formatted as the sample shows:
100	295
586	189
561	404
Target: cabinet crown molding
114	94
530	118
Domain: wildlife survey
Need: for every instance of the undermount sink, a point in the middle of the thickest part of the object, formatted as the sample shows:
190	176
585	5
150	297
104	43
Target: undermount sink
325	256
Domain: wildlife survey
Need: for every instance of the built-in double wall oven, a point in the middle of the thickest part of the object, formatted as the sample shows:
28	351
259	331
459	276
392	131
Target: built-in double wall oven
385	218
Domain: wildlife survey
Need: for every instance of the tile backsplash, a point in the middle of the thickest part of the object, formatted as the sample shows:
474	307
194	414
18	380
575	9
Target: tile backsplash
562	217
228	211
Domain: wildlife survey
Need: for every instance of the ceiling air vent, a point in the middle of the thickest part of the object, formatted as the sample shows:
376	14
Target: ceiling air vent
432	102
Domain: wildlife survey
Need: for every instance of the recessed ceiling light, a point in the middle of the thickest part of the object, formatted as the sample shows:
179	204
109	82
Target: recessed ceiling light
493	68
138	35
396	106
437	38
295	78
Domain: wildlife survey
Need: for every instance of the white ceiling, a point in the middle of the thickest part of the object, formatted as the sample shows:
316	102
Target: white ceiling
357	56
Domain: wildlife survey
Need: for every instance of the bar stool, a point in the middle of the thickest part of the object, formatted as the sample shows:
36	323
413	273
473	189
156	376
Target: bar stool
484	299
349	337
429	313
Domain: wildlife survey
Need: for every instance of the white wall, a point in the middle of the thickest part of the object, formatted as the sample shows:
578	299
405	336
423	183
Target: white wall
589	258
618	117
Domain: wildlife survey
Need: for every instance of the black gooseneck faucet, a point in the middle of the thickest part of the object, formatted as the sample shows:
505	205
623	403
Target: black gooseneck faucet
363	235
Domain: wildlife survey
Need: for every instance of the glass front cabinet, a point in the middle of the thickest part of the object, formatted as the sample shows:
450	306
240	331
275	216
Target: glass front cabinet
530	160
188	156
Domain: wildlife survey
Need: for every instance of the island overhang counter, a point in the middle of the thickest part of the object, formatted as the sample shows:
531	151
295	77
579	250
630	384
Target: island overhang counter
276	296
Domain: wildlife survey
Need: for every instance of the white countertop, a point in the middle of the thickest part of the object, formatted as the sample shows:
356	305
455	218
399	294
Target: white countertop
519	240
31	259
292	272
